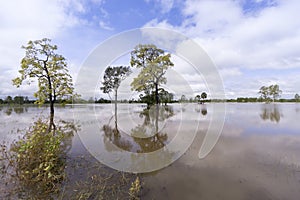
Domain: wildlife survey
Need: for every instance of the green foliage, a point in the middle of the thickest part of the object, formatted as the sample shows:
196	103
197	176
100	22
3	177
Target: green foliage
274	91
246	99
41	62
134	190
164	97
38	159
197	98
113	76
154	63
270	92
203	95
16	100
8	100
19	99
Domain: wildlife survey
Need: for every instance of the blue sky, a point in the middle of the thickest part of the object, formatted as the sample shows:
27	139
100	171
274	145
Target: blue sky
251	42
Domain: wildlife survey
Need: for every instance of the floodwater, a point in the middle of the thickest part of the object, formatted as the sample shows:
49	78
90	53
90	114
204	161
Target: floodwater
256	157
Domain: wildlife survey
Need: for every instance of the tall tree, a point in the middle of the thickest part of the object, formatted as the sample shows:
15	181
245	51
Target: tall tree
154	63
203	96
42	63
113	76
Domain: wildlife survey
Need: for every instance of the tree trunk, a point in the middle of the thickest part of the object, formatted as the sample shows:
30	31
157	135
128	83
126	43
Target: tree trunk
51	125
156	94
116	110
156	118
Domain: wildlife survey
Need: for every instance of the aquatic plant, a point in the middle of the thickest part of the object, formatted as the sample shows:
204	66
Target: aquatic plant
135	189
36	162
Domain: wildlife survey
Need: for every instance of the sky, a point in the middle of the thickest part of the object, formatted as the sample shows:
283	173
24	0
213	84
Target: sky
251	42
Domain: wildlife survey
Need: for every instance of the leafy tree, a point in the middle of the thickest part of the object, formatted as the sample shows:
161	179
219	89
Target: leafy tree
297	97
264	93
154	63
26	100
113	76
19	100
274	91
197	98
41	62
183	98
165	97
203	96
8	100
269	92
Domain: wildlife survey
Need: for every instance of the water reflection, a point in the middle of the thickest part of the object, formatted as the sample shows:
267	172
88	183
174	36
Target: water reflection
8	111
146	137
20	110
201	108
270	112
17	109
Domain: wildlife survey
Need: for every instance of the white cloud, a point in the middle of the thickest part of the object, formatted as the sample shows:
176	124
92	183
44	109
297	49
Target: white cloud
236	40
22	21
105	26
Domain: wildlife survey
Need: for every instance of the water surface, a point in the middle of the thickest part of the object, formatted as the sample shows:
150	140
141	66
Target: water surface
256	157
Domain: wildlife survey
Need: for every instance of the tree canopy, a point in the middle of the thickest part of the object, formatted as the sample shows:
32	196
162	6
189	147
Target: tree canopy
270	92
154	63
113	76
42	63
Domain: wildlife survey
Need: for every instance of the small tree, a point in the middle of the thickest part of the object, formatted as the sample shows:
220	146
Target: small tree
274	91
203	96
42	63
8	100
197	98
154	63
19	100
165	96
183	98
297	97
264	93
113	76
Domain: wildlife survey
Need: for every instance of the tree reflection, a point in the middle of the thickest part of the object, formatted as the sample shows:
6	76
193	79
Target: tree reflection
20	109
145	137
201	108
270	112
8	111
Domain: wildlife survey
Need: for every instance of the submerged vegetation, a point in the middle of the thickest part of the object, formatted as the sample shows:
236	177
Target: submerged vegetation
37	160
37	166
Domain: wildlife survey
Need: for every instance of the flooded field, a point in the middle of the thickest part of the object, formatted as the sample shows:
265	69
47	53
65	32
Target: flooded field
256	157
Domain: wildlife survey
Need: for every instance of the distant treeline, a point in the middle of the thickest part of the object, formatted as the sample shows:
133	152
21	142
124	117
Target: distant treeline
16	100
254	99
20	100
